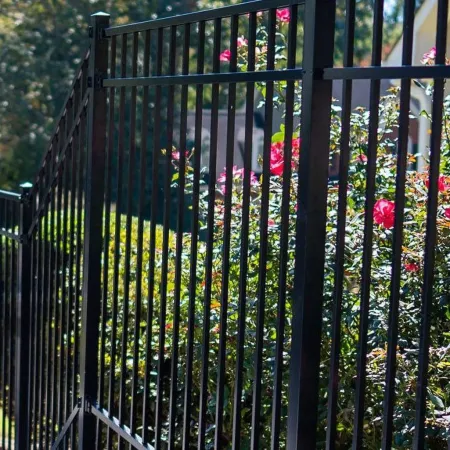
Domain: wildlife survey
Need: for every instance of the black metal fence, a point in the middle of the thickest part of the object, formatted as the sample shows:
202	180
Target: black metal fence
119	327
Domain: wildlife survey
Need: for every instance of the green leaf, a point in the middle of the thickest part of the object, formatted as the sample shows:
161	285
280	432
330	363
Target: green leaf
436	401
278	137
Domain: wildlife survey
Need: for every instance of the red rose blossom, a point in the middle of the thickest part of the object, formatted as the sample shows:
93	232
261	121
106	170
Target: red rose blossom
284	15
383	213
361	158
442	183
296	142
277	156
447	213
412	267
225	56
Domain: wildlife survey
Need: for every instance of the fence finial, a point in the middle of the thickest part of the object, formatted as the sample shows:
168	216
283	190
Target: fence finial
100	14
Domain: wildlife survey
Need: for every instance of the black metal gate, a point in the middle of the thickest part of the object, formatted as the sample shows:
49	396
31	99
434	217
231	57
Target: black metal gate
114	329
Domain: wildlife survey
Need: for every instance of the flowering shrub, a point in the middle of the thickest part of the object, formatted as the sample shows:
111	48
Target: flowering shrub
231	212
409	320
438	415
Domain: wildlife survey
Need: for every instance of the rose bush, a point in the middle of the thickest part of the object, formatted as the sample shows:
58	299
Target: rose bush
409	320
412	261
228	224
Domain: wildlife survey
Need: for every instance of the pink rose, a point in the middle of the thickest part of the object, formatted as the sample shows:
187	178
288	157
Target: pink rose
225	56
237	173
284	15
429	57
383	213
242	42
176	155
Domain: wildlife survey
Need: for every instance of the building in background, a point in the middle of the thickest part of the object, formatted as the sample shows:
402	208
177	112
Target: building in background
424	38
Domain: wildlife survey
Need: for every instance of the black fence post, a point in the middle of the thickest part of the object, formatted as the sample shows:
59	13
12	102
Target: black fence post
21	399
311	226
93	235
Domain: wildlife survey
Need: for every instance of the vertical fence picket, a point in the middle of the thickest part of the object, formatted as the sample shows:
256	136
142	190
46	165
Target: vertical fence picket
209	258
194	243
265	194
431	233
3	243
166	238
23	307
333	388
281	308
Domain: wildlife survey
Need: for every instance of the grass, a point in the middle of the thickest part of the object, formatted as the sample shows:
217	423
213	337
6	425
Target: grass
1	425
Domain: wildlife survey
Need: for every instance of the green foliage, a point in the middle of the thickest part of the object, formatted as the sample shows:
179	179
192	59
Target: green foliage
5	421
236	296
42	42
230	284
164	286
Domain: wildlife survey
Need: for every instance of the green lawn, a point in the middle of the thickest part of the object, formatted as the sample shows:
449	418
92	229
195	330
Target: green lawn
1	425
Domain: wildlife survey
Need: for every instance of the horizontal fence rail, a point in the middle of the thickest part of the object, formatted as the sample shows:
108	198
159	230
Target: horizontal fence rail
201	16
217	253
354	73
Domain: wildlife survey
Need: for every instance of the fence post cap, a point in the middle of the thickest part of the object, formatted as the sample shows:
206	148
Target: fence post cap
26	186
100	14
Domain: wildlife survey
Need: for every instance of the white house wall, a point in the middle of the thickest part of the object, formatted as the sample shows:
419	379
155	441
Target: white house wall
424	39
